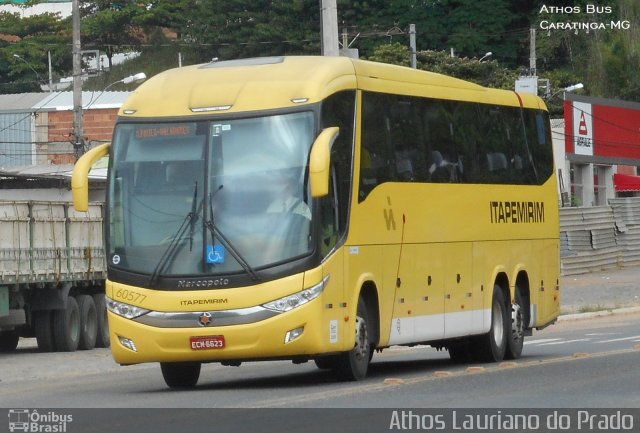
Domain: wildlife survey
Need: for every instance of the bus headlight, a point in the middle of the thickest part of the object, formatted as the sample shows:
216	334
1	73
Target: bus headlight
125	310
290	302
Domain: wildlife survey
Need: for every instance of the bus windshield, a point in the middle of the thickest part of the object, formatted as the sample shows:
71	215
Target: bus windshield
210	197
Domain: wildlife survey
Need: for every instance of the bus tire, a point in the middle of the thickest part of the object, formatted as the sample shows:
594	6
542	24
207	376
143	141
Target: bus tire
180	374
9	341
66	326
102	334
354	364
43	330
492	346
88	322
519	322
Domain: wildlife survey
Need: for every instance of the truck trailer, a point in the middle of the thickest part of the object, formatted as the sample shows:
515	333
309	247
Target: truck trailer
52	273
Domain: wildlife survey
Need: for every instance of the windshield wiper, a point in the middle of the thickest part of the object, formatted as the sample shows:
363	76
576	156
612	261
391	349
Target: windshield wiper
193	218
171	250
216	233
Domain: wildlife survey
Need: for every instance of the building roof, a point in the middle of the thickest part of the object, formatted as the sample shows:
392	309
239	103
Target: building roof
59	101
54	171
20	102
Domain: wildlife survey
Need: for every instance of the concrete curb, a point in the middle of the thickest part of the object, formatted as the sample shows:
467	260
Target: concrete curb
603	313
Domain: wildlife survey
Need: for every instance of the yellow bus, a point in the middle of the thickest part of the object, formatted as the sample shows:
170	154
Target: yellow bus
320	209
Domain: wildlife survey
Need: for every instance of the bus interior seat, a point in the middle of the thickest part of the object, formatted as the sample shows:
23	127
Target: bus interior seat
496	161
404	166
517	162
437	159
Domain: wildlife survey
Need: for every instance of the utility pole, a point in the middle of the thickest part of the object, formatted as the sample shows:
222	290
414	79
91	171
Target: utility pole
412	45
329	27
78	131
529	83
532	52
50	72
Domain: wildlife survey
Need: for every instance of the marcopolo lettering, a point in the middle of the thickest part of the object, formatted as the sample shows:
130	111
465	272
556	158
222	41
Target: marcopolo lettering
186	284
516	212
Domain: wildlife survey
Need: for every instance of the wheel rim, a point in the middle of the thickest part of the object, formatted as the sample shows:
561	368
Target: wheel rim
361	349
517	322
498	325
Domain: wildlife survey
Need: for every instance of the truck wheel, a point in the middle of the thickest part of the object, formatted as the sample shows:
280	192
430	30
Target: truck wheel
88	322
180	374
491	347
9	341
353	365
43	330
66	326
102	337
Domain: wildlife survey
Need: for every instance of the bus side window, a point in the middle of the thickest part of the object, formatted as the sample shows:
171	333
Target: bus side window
339	110
329	218
377	163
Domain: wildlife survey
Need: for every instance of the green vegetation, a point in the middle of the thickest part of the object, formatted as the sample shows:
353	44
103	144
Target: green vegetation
606	60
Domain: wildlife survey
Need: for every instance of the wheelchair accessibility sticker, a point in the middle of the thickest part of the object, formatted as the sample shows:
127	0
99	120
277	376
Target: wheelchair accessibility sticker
215	254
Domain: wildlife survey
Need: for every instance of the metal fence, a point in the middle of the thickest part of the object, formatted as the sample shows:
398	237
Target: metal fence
600	238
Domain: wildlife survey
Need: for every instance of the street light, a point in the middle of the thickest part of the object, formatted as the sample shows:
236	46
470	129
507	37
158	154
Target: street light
19	57
574	87
488	54
571	88
135	78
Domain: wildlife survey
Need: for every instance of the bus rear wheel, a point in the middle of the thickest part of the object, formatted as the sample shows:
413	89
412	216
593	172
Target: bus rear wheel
492	346
180	374
519	322
353	365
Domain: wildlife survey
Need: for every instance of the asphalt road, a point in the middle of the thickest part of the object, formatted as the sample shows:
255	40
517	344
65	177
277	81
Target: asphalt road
588	364
575	363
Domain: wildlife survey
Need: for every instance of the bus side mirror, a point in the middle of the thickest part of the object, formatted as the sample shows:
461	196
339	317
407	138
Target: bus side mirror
80	176
320	161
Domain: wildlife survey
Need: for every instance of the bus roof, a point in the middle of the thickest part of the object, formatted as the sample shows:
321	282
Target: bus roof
286	82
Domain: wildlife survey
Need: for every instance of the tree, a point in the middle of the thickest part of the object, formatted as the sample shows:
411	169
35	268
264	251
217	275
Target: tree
396	54
111	27
230	29
24	52
485	73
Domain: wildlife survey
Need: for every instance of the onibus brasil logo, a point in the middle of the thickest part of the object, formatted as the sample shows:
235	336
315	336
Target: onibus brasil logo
31	421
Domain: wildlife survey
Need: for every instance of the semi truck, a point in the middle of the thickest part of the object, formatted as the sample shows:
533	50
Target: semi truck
52	273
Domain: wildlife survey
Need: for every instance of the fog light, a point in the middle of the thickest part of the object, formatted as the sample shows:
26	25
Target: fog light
293	334
129	344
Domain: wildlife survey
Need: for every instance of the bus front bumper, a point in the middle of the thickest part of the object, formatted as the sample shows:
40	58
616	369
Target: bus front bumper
286	335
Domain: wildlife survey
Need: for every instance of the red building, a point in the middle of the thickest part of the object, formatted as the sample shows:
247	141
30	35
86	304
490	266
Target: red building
602	145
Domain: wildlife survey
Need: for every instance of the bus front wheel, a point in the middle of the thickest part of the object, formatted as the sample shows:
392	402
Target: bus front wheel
353	365
180	374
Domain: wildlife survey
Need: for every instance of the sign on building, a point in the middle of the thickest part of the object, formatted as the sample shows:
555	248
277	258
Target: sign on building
582	129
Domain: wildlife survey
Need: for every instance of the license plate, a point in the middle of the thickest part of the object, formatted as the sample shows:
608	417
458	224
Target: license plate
208	342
